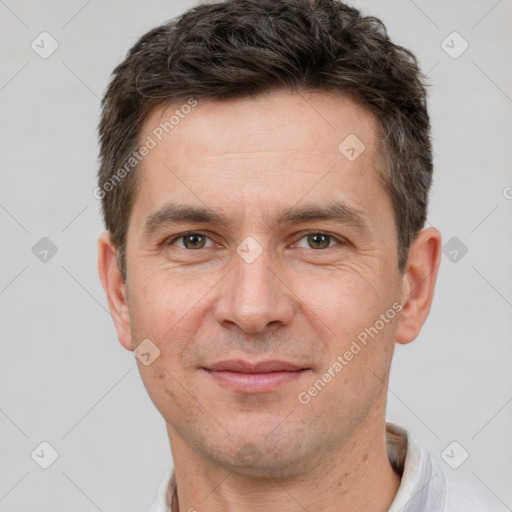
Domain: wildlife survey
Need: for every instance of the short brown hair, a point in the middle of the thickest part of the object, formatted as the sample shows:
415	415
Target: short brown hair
237	48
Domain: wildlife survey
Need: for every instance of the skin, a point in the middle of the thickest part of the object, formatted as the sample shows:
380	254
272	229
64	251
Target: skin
301	300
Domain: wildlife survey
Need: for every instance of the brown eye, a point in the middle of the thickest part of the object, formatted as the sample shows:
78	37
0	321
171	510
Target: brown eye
318	241
190	241
194	241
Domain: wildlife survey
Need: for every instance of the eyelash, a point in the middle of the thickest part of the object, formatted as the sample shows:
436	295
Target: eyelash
340	241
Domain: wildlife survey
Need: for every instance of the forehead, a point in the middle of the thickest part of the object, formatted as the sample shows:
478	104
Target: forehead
300	123
260	152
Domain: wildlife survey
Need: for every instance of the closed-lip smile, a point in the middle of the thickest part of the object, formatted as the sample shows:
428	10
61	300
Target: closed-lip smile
251	377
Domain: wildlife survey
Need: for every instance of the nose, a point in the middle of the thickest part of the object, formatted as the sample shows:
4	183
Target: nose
254	295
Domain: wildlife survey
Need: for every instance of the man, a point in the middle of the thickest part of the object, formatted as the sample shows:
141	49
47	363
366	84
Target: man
265	170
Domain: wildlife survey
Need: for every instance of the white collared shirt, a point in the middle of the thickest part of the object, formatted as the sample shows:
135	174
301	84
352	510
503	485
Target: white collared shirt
423	486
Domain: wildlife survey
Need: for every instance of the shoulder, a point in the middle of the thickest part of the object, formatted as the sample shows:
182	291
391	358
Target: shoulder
424	485
459	499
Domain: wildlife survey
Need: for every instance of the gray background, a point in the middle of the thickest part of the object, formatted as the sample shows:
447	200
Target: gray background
65	379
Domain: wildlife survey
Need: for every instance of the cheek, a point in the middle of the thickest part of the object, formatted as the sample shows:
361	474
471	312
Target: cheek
346	310
166	387
164	303
344	301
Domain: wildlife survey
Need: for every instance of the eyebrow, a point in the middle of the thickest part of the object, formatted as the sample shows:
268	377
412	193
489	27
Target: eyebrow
175	213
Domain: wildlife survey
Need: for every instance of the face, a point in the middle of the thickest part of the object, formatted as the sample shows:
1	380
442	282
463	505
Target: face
262	266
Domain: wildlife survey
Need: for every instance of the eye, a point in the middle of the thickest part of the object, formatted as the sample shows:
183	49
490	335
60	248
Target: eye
191	240
319	240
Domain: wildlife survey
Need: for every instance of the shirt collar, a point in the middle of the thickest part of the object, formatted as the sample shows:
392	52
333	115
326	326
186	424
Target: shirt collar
423	482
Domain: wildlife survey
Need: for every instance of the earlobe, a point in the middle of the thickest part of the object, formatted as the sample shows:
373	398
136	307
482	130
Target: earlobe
115	288
419	281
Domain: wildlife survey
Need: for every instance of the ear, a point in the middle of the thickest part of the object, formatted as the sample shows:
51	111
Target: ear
115	288
419	281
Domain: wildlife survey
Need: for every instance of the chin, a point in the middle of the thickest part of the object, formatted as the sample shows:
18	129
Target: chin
264	452
251	461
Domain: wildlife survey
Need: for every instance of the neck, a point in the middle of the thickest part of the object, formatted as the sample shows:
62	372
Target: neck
356	477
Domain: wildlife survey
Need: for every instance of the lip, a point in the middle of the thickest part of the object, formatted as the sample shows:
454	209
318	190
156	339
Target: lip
246	377
241	366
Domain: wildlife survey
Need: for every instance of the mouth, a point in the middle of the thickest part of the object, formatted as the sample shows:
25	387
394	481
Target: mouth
246	377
